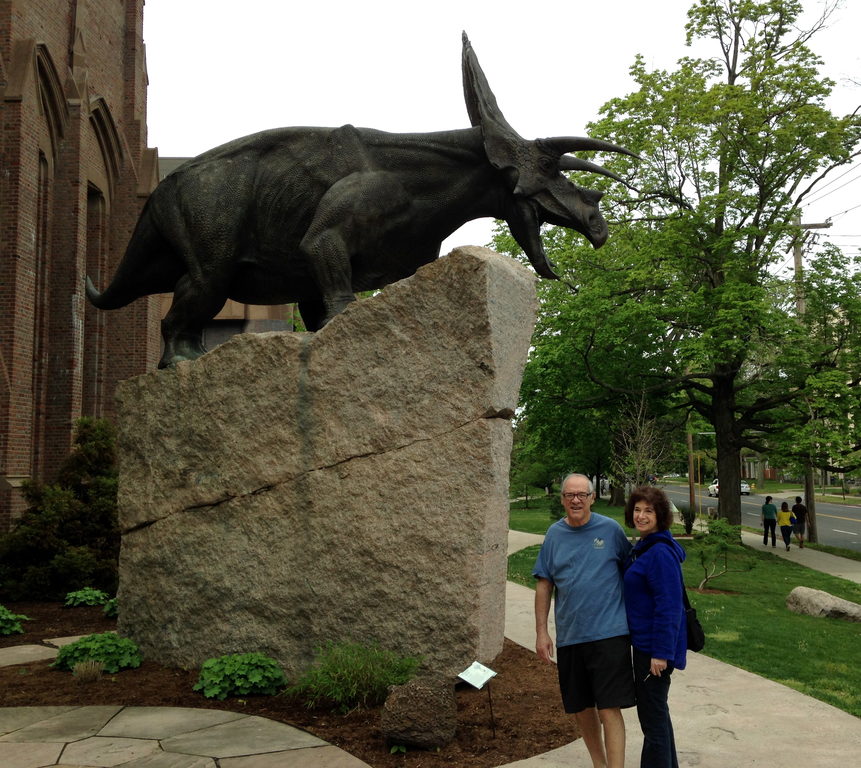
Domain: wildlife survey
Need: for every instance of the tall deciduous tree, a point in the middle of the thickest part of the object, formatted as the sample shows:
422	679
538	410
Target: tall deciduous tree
685	299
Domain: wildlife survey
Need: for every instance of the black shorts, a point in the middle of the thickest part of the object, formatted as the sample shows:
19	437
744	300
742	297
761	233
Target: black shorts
596	674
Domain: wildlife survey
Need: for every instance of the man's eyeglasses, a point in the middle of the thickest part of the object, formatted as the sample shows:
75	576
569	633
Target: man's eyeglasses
582	495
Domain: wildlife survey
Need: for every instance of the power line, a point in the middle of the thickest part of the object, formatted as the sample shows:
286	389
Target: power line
850	169
822	197
846	211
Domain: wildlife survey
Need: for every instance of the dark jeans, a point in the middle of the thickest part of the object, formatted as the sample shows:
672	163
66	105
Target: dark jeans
769	525
786	532
659	744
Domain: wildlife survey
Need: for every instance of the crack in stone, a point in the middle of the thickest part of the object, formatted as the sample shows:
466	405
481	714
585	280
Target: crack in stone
505	414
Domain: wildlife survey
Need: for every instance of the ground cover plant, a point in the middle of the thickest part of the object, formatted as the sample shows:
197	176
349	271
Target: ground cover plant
240	674
86	596
349	675
113	652
10	623
748	625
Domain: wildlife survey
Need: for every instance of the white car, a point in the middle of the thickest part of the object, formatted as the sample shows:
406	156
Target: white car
744	488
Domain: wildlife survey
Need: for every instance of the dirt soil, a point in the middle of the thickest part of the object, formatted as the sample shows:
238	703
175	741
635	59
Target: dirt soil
524	696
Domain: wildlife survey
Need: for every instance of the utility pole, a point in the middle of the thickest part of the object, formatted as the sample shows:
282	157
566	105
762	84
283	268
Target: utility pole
691	492
801	307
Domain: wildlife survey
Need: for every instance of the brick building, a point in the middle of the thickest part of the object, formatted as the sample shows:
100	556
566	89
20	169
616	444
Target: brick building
74	174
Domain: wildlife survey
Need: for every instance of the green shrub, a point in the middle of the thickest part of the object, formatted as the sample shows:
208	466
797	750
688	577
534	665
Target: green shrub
715	547
68	538
10	623
240	674
111	609
689	517
349	675
114	652
554	507
86	596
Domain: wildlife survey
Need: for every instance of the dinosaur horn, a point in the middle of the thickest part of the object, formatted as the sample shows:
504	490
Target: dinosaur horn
567	163
563	144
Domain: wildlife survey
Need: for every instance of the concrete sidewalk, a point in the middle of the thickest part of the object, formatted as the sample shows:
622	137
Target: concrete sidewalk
809	558
723	717
157	737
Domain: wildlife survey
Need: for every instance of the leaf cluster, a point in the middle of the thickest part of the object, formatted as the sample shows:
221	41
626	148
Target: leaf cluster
10	623
240	674
349	675
114	652
86	596
111	609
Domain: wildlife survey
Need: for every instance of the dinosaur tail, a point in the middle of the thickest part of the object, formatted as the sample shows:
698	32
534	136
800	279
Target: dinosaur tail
101	300
150	265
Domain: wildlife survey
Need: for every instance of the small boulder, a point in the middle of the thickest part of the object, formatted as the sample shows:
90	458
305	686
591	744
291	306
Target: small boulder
815	602
421	713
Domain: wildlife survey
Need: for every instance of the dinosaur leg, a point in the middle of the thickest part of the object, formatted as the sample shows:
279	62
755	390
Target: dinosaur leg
355	216
194	304
330	262
313	313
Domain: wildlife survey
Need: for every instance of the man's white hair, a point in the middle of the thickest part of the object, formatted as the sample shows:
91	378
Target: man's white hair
578	474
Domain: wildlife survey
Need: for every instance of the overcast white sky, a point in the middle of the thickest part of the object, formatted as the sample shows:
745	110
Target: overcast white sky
221	70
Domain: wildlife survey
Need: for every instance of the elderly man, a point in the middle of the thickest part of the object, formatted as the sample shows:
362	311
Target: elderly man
582	558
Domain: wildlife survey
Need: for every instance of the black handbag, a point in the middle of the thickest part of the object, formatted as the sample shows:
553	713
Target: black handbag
696	634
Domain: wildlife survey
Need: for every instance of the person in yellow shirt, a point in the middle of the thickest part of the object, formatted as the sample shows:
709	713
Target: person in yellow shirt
785	519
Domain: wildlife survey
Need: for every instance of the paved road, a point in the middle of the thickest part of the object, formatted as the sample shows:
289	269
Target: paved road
838	525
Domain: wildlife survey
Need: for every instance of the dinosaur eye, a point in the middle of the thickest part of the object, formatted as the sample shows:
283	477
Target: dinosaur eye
548	165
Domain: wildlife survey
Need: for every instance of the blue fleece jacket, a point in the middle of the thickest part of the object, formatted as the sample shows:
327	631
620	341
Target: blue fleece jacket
653	598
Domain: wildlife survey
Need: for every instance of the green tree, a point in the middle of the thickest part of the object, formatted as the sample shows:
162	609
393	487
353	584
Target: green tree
68	538
685	300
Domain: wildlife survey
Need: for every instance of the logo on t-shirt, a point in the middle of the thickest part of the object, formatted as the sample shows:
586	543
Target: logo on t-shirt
598	543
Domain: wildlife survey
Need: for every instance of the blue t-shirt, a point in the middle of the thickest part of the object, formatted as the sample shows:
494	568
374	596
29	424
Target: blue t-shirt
585	566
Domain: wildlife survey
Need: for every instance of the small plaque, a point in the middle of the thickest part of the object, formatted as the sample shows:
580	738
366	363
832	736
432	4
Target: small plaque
477	675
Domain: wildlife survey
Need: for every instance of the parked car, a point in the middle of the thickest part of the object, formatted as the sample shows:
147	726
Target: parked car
744	488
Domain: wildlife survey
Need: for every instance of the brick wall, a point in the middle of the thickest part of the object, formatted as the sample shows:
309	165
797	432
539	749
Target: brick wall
74	173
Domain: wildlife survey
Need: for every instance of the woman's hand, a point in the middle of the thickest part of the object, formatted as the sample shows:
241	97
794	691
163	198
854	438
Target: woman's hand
658	666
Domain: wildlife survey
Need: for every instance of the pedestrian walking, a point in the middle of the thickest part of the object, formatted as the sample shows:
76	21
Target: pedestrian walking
785	519
769	522
800	525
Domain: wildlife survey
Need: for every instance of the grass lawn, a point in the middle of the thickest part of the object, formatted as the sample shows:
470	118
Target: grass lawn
746	620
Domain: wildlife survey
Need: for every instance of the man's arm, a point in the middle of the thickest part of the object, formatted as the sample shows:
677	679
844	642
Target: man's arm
543	643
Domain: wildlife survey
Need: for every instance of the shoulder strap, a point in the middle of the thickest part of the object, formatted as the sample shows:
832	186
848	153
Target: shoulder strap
669	544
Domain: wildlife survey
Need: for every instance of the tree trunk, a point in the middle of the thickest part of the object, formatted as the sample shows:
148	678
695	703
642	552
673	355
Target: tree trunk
728	451
810	501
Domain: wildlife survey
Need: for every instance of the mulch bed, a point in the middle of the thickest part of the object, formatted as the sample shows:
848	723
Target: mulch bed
527	712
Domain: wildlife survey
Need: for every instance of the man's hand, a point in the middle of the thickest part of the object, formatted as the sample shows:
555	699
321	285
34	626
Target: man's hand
543	643
544	647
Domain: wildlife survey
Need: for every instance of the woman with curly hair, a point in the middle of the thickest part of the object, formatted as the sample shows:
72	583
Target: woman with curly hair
656	619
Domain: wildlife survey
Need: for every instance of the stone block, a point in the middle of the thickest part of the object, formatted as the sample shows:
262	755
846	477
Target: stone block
286	490
815	602
421	713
